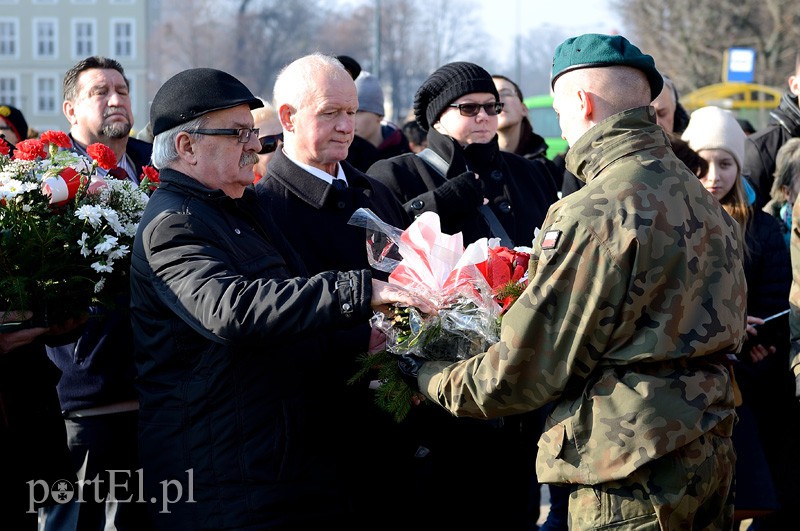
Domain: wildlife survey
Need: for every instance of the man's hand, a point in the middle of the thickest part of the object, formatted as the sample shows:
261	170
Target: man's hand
385	294
377	341
11	340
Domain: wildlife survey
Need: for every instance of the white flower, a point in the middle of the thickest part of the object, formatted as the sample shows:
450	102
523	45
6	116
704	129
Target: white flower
102	267
119	252
83	245
90	213
106	244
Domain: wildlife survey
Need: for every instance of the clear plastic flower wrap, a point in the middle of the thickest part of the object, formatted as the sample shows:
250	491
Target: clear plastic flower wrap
424	260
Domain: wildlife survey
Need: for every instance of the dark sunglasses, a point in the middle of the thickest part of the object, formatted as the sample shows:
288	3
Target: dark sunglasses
269	143
473	109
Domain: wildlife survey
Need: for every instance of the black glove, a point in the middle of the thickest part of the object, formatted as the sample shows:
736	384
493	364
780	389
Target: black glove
409	365
463	192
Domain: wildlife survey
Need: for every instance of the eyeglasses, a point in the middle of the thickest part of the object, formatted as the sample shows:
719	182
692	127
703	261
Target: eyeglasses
242	135
269	143
473	109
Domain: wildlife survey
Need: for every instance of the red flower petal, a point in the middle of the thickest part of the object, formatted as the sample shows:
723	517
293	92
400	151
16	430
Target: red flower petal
30	149
59	138
103	155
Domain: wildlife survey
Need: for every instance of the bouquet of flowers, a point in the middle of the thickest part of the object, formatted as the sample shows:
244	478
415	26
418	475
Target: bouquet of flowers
65	232
471	288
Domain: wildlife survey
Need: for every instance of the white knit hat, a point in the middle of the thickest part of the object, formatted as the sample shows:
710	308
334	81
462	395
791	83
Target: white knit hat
715	128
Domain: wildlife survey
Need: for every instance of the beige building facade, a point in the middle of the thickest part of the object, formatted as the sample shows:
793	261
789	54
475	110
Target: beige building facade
41	39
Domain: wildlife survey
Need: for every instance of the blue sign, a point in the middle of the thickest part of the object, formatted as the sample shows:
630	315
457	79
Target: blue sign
741	65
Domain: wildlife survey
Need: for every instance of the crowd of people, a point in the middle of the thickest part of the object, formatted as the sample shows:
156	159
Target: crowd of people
647	374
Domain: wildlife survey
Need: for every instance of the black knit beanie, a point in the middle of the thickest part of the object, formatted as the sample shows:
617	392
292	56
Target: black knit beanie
446	85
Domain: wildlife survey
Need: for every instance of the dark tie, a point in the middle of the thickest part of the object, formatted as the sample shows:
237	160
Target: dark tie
339	184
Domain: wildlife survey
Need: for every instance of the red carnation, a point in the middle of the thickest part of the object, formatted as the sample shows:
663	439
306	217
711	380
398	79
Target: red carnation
103	155
30	149
58	138
5	147
149	177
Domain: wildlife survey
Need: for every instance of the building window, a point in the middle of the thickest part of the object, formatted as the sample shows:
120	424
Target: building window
46	94
45	38
123	44
9	37
8	91
84	33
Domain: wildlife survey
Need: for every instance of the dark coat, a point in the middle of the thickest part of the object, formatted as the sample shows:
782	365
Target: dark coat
534	147
362	154
313	216
232	377
761	148
33	437
519	190
767	386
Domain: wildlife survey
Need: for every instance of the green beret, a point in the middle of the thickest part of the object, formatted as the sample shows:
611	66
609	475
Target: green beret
594	50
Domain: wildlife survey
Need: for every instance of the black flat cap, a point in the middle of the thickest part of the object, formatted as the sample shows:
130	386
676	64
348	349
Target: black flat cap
196	92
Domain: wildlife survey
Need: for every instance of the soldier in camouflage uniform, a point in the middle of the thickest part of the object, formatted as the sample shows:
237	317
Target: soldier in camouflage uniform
636	299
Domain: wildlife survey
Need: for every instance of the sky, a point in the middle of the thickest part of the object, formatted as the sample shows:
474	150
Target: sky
504	19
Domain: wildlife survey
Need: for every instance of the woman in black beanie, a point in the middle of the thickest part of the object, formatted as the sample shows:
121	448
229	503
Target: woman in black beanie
479	191
458	106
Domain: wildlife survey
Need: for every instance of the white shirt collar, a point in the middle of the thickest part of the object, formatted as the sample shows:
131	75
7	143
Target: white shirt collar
319	173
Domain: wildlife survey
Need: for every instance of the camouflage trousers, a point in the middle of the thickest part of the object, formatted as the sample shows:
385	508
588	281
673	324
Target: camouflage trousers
691	488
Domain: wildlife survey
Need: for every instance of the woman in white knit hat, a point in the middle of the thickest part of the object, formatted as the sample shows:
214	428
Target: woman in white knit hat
763	448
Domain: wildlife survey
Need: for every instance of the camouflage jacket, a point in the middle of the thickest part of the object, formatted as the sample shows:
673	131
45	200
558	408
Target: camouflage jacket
637	275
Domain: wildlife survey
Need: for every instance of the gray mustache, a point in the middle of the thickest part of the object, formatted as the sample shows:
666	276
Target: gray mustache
247	159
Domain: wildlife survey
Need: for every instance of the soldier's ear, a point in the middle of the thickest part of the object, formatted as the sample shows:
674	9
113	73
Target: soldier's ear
586	103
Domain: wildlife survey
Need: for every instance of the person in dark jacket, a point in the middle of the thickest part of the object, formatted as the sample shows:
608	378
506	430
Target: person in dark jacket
766	484
481	191
33	437
458	105
514	130
376	138
313	214
229	332
96	390
761	148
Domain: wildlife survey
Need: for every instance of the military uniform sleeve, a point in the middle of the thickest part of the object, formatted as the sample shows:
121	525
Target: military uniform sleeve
551	338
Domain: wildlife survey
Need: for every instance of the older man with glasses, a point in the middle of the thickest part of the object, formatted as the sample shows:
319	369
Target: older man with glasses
230	331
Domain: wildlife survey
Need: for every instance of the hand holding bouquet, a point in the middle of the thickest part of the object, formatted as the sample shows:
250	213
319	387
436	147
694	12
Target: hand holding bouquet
471	288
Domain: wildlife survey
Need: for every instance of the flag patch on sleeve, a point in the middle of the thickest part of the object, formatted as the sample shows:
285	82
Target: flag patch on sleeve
550	239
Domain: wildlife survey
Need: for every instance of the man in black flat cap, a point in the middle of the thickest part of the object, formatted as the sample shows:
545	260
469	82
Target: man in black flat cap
235	425
635	301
